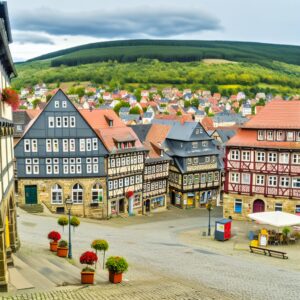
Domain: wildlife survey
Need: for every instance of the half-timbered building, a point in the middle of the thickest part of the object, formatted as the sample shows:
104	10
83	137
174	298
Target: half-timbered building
195	175
59	156
9	241
263	163
125	162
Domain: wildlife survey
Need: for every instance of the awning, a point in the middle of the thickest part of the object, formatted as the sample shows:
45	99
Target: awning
275	218
191	194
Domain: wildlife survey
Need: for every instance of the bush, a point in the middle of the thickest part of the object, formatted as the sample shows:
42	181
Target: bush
286	231
117	264
63	244
100	245
54	236
88	258
75	222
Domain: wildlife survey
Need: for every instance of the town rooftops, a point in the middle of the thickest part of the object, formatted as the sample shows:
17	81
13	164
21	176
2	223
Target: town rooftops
277	114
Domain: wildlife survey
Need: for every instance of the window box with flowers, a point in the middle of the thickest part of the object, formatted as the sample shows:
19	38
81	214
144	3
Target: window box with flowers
11	97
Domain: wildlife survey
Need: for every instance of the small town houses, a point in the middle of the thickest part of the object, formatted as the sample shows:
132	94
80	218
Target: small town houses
263	163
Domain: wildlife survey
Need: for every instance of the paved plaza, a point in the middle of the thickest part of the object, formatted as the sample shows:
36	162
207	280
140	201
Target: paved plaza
168	256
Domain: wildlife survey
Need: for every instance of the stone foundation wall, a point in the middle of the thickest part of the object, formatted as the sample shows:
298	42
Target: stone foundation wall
288	205
82	210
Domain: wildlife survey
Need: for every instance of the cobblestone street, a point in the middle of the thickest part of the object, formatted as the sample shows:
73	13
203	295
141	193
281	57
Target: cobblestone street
165	263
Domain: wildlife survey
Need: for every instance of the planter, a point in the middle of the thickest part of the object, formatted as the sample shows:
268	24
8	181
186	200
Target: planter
53	246
62	252
115	277
87	277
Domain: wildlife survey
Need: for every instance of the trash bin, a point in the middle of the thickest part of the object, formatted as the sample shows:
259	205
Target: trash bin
223	229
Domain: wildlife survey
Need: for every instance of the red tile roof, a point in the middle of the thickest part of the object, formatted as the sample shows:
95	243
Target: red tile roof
277	114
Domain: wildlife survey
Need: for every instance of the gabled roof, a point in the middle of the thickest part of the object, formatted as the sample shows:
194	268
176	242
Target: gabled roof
141	130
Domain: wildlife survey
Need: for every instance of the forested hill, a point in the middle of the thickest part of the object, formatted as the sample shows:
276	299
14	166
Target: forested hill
174	50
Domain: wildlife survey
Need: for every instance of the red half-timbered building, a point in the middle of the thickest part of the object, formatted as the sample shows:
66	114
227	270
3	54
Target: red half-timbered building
262	163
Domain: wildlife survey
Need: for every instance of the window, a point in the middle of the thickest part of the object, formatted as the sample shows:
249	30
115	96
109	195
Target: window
48	168
65	145
64	104
280	136
19	127
88	144
28	165
204	144
140	158
48	145
95	144
261	135
72	122
297	209
217	176
194	145
115	184
137	201
246	155
196	179
290	136
272	157
270	135
189	161
195	160
65	121
190	179
26	145
235	154
121	182
284	158
246	178
184	179
72	145
77	194
51	122
278	206
95	165
58	122
235	177
158	202
82	144
66	169
272	181
260	179
296	183
298	136
112	163
296	158
260	156
209	177
207	159
97	193
284	181
56	194
56	104
126	183
36	167
238	205
110	185
203	178
55	145
34	146
131	180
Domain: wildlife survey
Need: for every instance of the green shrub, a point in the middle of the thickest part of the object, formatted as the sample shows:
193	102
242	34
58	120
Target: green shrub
100	245
63	244
286	231
63	221
117	264
75	222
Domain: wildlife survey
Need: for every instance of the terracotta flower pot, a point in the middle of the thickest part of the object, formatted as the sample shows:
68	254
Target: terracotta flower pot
87	277
115	277
62	252
53	246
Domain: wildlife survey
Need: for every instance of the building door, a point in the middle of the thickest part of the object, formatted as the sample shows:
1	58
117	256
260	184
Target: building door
147	204
30	194
258	206
121	206
173	198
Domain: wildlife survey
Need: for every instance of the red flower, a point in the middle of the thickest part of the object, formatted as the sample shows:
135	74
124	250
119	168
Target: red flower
54	235
129	194
11	97
88	258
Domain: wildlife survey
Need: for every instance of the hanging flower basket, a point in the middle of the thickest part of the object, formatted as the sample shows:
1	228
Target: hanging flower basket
11	97
129	194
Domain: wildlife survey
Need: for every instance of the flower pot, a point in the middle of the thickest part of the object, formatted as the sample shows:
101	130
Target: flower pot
62	252
53	246
115	277
87	277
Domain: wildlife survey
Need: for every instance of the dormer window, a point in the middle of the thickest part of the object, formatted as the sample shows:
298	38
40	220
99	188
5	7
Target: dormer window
197	131
261	135
290	136
111	123
280	136
270	136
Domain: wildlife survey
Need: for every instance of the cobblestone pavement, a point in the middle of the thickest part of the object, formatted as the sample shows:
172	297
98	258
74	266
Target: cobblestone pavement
162	263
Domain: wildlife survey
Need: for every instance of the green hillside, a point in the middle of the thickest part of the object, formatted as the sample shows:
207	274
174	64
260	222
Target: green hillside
153	62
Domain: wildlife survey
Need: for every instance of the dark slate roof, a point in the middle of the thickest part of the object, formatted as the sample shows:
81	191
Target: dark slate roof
141	131
148	115
124	110
21	117
225	135
226	116
130	117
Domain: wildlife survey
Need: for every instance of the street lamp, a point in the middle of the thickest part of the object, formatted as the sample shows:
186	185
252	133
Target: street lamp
209	208
69	203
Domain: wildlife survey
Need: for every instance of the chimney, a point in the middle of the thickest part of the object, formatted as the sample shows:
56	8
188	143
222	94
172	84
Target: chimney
91	108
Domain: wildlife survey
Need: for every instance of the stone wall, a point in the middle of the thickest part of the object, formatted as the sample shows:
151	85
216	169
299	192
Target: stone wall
288	205
82	210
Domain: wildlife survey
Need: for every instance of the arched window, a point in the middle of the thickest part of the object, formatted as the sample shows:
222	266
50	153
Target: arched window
97	193
77	194
56	194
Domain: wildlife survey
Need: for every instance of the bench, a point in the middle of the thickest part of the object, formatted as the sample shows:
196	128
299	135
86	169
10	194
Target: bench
270	252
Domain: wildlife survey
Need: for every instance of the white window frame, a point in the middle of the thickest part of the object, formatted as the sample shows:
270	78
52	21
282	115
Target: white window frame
34	145
284	181
290	136
27	145
88	145
270	135
97	189
234	154
58	190
58	122
65	122
260	179
72	122
260	156
65	145
272	157
280	135
246	156
78	191
260	135
284	158
246	178
95	144
56	104
296	158
64	104
48	145
72	145
55	143
296	183
272	180
234	177
51	122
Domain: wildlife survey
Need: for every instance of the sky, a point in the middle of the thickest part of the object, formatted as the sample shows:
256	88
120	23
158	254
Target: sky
43	26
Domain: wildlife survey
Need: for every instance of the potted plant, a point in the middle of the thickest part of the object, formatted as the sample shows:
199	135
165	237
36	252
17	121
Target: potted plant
54	236
116	266
11	97
62	249
87	274
100	245
63	221
75	222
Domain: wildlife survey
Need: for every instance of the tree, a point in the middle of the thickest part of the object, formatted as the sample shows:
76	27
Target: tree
195	103
36	102
119	105
179	113
135	110
187	103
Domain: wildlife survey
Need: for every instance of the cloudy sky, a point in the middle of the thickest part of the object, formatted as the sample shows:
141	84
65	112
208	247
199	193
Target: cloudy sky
43	26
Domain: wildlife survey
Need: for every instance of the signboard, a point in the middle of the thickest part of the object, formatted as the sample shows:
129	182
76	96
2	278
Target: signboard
220	227
263	240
